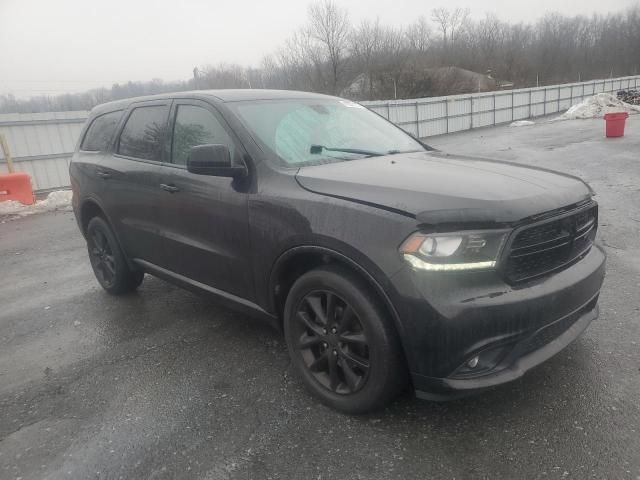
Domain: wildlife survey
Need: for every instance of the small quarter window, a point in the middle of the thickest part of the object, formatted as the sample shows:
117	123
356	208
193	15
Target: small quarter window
144	133
100	132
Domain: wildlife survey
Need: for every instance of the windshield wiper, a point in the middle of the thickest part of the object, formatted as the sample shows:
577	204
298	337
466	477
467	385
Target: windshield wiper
315	149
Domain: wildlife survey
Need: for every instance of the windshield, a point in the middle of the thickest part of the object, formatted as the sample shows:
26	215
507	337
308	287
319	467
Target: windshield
303	132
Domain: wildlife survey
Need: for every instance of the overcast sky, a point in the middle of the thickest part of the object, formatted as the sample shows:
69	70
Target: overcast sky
56	46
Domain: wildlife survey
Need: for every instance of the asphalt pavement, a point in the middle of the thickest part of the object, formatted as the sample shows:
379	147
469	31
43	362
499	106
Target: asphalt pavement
165	384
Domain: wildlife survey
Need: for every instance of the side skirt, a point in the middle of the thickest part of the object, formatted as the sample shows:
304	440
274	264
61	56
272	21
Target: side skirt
224	298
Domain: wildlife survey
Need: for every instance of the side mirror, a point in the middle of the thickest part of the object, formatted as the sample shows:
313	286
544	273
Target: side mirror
214	160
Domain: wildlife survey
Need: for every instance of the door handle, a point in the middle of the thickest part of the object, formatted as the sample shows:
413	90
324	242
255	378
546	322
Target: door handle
103	175
169	188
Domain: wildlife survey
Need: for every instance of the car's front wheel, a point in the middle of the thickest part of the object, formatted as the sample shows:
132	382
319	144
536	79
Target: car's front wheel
341	342
107	260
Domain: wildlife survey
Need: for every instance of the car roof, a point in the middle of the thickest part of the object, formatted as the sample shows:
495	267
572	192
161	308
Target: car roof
226	95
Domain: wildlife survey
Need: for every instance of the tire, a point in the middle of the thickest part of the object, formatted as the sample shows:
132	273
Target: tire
350	359
107	260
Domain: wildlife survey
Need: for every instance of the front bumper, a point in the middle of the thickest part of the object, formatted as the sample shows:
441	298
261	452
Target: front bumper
514	365
449	319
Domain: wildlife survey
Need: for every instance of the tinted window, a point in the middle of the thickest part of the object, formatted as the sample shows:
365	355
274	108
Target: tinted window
100	132
196	126
144	133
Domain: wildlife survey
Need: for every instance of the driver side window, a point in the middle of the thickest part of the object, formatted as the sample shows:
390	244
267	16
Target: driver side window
196	126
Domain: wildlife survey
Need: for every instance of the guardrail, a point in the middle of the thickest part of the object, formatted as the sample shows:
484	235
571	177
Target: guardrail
427	117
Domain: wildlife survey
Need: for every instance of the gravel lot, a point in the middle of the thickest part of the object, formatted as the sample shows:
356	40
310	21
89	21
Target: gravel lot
164	384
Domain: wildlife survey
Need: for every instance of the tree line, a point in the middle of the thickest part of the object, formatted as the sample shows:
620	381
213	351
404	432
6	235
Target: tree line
440	53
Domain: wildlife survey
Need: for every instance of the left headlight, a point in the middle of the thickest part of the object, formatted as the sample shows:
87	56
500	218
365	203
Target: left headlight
440	252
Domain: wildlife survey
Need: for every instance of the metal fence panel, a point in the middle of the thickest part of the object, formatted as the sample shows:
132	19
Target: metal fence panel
42	143
435	116
47	173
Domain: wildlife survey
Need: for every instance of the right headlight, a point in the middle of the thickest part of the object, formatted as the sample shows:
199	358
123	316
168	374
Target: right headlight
457	251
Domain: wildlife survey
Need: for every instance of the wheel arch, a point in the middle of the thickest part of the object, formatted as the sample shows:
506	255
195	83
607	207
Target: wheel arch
91	208
298	260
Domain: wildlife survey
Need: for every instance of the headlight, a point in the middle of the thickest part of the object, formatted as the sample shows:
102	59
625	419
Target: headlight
477	250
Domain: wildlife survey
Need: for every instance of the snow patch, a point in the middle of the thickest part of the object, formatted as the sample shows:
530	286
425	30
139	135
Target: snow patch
58	200
597	106
522	123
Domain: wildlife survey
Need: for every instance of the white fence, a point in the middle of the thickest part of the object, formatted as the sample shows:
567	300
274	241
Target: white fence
426	117
42	144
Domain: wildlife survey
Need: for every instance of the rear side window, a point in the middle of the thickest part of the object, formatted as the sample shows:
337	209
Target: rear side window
144	133
100	132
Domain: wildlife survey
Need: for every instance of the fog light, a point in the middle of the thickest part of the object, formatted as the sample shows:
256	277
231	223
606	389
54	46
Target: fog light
482	363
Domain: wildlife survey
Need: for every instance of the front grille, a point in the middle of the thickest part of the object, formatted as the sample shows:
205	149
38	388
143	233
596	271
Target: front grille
547	247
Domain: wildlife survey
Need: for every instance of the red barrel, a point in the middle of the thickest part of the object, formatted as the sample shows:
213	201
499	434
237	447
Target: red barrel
615	123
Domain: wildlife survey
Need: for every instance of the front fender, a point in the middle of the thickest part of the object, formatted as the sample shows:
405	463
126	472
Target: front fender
346	255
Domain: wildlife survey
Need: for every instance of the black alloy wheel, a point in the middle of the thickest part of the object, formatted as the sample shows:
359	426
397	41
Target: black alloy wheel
332	342
107	260
102	258
341	342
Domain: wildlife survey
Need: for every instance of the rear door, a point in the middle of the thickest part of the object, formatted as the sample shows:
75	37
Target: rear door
131	175
89	161
207	233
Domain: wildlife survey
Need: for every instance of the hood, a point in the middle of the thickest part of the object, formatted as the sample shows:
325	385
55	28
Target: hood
435	187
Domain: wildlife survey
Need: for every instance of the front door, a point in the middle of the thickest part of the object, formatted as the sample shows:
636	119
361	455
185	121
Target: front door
205	218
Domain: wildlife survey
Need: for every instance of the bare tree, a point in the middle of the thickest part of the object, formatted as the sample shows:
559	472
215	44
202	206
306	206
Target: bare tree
486	40
419	35
329	26
271	73
224	75
440	16
303	63
392	58
449	21
366	43
374	60
457	21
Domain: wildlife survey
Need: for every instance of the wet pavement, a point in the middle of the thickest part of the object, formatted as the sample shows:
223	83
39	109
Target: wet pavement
165	384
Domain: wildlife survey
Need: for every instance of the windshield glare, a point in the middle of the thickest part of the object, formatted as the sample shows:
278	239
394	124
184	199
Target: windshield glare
290	128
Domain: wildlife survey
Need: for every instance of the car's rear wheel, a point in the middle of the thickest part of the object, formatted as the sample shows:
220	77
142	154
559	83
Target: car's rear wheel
107	260
341	342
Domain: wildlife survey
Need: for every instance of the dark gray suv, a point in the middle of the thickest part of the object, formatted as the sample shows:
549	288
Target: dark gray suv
386	263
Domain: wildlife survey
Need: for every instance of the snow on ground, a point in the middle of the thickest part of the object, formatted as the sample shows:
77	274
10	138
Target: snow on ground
58	200
597	106
522	123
